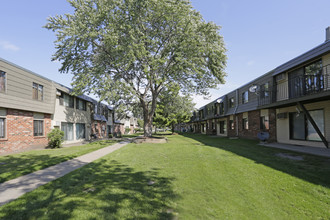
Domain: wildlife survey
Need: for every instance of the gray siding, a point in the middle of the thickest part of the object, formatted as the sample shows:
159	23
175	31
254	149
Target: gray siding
18	93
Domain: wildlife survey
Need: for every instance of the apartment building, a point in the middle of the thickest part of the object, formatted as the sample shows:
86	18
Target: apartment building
31	105
290	104
26	107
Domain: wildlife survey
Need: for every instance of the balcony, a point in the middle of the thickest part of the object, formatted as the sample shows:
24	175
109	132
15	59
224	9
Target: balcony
299	88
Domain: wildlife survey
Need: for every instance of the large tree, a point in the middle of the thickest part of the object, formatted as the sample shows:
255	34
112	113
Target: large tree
130	50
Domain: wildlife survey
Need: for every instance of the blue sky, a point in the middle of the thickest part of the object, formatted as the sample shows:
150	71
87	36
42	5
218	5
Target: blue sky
259	35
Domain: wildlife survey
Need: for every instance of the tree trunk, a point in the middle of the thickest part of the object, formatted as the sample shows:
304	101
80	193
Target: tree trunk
148	113
147	126
172	128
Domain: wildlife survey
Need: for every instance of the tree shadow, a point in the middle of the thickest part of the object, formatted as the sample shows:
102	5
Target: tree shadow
312	168
103	190
15	165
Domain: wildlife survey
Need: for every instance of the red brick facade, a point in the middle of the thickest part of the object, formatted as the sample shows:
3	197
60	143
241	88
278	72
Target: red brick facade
19	131
100	129
118	129
253	125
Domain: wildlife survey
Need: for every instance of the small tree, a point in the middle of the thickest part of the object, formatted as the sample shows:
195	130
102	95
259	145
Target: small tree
55	138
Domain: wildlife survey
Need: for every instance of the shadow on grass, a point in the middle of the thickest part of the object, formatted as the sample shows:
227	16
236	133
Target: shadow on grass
13	166
313	169
102	190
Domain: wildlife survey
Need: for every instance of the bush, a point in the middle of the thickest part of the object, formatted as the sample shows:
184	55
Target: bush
127	130
110	136
55	138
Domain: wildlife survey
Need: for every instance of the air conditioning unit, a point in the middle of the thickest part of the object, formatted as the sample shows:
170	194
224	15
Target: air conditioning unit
282	115
280	77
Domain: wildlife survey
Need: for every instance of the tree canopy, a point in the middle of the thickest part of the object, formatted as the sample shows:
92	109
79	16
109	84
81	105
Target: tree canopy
128	51
172	108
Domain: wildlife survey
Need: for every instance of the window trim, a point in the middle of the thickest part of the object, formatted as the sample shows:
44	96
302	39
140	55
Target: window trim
232	103
5	128
43	128
243	124
263	122
5	84
37	94
306	126
244	101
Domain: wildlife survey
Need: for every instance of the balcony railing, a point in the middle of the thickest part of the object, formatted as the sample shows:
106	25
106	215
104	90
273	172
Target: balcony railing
296	87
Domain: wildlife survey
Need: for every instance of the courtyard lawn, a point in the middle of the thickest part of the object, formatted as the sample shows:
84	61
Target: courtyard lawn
15	165
191	177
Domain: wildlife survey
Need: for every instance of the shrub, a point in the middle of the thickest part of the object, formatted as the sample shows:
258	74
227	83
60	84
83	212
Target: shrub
127	130
55	138
110	136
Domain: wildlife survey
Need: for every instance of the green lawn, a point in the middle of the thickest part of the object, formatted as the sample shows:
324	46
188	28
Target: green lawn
196	177
13	166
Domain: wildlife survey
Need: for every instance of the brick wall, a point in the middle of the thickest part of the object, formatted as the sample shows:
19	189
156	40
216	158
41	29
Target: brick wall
97	128
254	125
118	129
19	129
231	132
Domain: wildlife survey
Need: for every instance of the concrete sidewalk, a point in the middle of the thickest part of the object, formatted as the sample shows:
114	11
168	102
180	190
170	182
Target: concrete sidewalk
324	152
15	188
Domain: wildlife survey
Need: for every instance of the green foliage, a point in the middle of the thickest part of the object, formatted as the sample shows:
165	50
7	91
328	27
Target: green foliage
140	122
173	108
129	51
127	130
55	138
110	136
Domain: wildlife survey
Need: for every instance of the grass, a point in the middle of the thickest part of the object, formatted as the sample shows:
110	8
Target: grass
196	177
13	166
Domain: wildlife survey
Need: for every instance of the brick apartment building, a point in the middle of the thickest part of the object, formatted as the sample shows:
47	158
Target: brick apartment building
290	104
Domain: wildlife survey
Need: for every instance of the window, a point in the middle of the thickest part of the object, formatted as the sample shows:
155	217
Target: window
38	127
222	108
223	127
67	128
264	90
2	127
245	124
231	103
245	97
80	131
264	123
231	125
66	100
37	91
2	81
81	104
302	129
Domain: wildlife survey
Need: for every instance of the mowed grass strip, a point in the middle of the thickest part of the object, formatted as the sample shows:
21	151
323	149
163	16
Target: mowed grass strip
15	165
191	177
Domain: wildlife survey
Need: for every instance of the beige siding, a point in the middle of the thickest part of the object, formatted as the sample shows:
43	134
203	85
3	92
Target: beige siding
72	115
283	128
282	90
18	93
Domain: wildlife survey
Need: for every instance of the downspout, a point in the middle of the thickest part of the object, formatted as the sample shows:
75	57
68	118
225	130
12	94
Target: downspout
236	117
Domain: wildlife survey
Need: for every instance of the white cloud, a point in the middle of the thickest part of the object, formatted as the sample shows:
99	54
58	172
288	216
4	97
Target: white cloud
6	45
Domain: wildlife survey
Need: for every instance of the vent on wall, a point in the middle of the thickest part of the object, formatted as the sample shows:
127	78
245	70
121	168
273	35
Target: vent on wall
282	115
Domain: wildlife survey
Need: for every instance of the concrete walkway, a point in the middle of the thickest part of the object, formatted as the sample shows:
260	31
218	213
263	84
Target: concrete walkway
324	152
15	188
